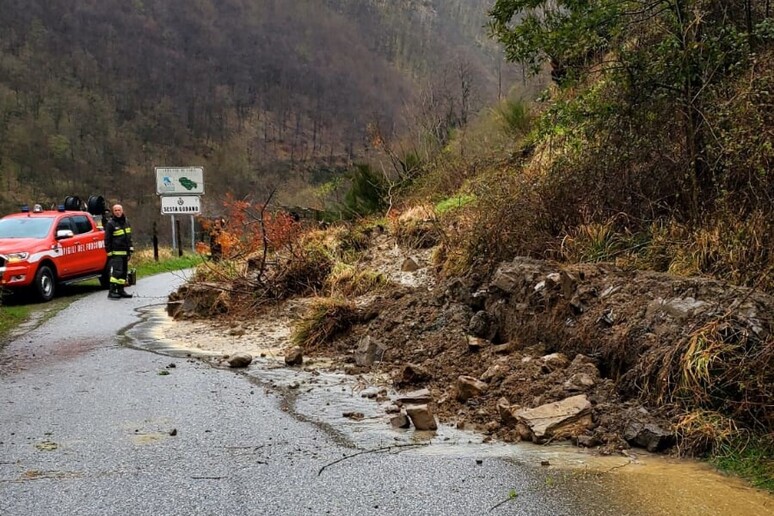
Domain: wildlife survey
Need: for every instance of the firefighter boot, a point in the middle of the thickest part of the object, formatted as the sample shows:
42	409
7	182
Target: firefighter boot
114	294
123	293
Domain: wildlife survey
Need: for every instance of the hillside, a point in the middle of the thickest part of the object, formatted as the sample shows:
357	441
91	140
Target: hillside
93	95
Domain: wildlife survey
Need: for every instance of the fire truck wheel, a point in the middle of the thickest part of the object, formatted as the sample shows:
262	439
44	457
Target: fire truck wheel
45	283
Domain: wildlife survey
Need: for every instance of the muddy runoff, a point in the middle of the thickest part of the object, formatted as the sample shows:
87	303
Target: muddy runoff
355	411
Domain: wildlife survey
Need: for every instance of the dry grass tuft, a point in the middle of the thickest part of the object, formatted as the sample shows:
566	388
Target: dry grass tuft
326	318
701	431
352	281
417	228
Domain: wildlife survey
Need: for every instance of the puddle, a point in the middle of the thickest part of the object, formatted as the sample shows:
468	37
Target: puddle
649	484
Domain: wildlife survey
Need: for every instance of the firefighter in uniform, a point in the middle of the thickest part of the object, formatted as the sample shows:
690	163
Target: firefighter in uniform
118	244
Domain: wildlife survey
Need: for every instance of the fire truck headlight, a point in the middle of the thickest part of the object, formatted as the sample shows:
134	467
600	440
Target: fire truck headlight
17	257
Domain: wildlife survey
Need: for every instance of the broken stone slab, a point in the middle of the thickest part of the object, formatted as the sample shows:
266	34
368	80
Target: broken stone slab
568	283
421	417
409	265
469	387
400	421
369	351
240	359
649	436
294	356
421	396
561	419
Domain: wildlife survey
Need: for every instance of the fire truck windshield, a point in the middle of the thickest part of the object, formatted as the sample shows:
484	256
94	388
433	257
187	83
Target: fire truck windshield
37	227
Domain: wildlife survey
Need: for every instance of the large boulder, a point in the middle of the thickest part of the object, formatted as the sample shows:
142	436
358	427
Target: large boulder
559	420
369	351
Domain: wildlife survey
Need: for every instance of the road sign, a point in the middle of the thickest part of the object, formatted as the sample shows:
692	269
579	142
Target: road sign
179	180
181	205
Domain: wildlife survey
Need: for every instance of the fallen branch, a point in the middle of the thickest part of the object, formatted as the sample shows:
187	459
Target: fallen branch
375	450
511	496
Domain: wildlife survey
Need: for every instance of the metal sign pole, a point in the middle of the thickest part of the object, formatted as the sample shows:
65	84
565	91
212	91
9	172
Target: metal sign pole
174	239
193	235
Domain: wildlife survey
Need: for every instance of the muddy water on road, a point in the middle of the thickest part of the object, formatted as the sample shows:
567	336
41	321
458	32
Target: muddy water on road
637	484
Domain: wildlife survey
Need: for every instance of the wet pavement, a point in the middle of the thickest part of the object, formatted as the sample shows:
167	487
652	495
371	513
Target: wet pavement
95	420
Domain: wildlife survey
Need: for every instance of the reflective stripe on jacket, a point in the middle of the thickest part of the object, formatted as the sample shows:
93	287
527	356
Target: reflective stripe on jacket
118	236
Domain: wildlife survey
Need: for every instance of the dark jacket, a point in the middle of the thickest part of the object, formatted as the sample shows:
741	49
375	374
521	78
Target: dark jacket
118	237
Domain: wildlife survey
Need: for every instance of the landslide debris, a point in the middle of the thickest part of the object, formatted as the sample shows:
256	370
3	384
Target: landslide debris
544	351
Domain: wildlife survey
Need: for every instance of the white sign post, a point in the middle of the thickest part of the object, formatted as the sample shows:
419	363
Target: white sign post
180	189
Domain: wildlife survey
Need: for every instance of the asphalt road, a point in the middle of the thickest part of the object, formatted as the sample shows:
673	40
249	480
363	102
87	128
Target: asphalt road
89	426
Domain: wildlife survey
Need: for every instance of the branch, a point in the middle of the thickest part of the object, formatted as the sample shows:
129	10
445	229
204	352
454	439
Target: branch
375	450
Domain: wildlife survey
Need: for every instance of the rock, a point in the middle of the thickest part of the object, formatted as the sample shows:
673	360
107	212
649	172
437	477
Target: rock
458	292
560	419
580	382
481	325
237	331
372	392
555	361
421	396
495	371
587	441
409	265
391	409
240	359
369	351
414	374
469	387
506	412
568	283
421	417
356	416
400	421
649	436
476	344
502	349
294	356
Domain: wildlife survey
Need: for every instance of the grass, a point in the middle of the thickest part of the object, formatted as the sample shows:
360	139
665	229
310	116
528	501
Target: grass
452	203
146	266
150	268
751	459
11	317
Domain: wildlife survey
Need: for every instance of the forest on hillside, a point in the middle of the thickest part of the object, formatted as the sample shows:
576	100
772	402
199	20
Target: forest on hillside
93	95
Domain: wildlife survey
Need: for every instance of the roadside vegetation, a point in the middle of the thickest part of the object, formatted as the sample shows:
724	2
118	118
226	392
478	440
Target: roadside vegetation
11	317
146	265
